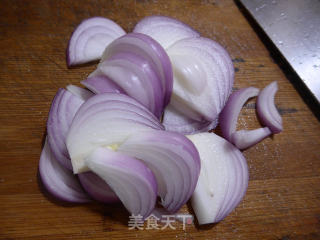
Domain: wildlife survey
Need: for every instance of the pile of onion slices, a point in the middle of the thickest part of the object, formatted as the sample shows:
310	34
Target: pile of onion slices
138	131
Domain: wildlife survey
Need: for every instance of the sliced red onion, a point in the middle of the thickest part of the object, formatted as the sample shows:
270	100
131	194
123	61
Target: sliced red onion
130	179
267	110
226	66
105	120
234	182
58	180
122	110
174	121
97	188
244	139
229	116
240	187
79	92
90	38
220	57
102	99
172	158
212	185
200	58
147	48
165	30
101	84
223	178
137	78
63	108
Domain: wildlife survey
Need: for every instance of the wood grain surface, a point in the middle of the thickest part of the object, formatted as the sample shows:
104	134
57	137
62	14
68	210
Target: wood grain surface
283	198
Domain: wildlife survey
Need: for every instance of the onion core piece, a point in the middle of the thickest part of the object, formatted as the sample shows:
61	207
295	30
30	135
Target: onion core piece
130	179
267	110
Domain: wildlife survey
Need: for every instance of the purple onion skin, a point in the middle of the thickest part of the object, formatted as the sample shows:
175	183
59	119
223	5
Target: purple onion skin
112	97
59	181
101	84
243	178
63	108
97	188
267	110
148	48
128	177
141	83
243	189
229	115
179	150
221	159
165	60
109	118
72	51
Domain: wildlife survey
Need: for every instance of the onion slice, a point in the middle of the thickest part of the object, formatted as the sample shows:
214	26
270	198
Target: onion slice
174	121
267	110
229	115
79	92
122	100
172	158
101	84
149	49
130	179
137	78
58	180
105	120
165	30
90	38
97	188
241	184
223	178
203	63
63	108
244	139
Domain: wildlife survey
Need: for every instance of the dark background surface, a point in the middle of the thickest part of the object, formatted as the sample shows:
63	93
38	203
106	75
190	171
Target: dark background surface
283	198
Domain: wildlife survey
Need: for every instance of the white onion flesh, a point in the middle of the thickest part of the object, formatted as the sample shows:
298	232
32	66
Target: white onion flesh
94	127
199	61
165	30
217	192
130	179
